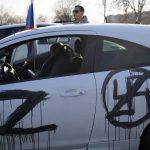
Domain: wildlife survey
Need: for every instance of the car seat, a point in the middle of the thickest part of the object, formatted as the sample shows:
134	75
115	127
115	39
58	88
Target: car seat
77	59
58	63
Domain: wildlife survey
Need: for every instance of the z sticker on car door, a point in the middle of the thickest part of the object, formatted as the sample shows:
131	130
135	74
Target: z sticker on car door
136	86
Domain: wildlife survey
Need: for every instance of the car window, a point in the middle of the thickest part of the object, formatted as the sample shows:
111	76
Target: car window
114	54
47	41
52	40
64	40
16	29
112	46
45	44
11	30
50	57
2	33
20	53
2	60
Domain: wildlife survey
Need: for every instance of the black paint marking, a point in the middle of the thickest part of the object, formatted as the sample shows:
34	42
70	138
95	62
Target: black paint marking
127	98
32	99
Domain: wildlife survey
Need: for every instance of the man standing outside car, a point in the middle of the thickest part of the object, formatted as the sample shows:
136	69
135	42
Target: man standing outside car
78	14
79	18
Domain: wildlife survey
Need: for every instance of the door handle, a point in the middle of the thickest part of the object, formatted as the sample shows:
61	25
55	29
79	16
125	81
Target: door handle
72	93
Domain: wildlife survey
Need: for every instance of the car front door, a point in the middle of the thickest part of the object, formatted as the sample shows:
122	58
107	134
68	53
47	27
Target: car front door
49	113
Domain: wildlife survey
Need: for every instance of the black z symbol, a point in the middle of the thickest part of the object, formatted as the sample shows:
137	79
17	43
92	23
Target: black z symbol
32	99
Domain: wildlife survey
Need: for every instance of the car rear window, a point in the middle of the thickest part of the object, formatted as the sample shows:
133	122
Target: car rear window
119	54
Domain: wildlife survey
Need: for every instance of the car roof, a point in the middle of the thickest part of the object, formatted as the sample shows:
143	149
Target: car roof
130	32
23	25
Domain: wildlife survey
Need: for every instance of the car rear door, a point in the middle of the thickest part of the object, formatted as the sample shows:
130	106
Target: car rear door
122	77
49	113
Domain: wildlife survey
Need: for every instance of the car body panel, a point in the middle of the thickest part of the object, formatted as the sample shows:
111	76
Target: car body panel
65	105
113	135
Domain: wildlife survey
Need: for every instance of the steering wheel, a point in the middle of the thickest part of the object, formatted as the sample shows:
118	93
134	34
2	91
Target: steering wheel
8	73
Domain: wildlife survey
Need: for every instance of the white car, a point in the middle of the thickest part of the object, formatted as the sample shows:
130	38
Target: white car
93	97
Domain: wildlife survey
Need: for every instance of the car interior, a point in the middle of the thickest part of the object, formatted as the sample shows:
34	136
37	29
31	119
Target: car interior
21	62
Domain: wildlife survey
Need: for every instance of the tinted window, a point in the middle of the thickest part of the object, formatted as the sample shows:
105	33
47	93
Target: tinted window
112	46
11	30
2	33
17	29
118	54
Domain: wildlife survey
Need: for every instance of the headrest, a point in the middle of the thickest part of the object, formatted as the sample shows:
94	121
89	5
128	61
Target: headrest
57	48
78	46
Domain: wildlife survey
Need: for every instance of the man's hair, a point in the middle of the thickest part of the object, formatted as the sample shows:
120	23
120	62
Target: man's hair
80	7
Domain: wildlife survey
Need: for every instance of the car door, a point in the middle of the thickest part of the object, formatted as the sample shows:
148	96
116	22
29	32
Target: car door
49	113
122	77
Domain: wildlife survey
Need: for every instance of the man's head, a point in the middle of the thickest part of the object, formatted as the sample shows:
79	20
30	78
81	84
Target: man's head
78	12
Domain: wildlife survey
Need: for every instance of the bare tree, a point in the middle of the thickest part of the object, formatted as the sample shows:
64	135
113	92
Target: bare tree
63	11
1	14
6	17
136	6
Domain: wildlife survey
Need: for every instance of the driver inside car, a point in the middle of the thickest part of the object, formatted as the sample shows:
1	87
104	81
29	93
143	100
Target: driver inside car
58	63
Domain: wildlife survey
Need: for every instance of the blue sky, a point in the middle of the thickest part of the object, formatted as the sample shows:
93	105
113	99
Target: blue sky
46	7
